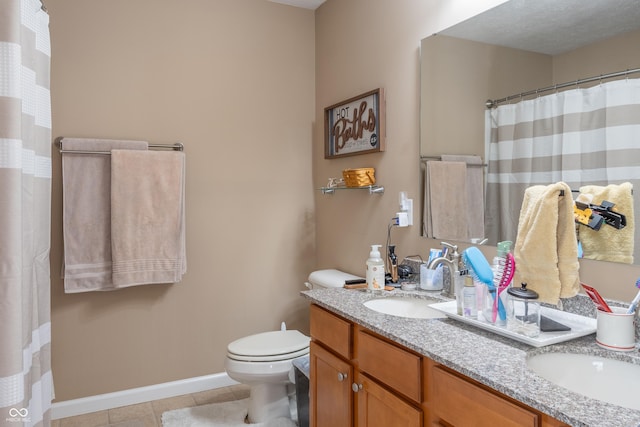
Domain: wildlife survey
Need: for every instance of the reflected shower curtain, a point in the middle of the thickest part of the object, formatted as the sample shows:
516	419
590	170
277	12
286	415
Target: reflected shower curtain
581	137
26	386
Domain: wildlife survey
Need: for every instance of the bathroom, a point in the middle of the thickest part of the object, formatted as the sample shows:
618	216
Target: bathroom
232	80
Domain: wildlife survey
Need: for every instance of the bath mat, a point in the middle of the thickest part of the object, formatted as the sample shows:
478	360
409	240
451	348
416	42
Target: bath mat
226	414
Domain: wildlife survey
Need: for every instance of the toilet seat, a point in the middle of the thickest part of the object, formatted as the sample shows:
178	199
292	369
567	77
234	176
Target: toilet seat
269	346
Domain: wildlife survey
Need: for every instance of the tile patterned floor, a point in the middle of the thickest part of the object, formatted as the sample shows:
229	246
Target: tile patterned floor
149	414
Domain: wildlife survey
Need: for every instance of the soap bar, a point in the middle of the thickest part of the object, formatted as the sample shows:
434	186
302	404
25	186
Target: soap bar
548	325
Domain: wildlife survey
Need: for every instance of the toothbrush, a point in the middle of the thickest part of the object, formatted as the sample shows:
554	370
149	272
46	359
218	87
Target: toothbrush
501	281
636	300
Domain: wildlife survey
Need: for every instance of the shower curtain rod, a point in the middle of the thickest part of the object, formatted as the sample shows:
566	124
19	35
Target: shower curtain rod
177	146
494	103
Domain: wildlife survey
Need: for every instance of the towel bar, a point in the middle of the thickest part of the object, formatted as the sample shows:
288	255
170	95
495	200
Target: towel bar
177	146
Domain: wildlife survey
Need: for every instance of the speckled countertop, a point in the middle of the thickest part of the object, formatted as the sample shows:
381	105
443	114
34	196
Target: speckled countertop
493	360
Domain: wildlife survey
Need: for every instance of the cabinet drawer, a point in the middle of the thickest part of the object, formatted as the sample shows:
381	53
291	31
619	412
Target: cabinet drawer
331	330
458	402
392	365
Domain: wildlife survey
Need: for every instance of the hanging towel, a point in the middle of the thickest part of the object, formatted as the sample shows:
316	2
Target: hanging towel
475	192
86	223
446	200
147	217
609	243
546	249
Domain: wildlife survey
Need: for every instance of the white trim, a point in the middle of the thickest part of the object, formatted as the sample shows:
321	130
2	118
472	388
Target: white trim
100	402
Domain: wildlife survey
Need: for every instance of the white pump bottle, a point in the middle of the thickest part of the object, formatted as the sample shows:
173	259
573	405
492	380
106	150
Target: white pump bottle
375	269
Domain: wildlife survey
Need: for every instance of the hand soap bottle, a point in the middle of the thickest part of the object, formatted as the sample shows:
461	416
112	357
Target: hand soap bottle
375	269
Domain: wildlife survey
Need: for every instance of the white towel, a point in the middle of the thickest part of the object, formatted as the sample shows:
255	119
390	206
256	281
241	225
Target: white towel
147	217
446	200
546	249
86	183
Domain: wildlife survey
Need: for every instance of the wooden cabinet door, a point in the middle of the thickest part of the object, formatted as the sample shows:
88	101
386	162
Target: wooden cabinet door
460	403
330	395
378	407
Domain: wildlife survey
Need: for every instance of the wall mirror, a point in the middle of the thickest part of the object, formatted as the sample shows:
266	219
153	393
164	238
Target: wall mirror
518	46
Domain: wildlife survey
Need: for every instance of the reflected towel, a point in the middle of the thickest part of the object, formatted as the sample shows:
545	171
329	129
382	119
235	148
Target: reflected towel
147	217
546	249
446	200
86	213
609	243
475	192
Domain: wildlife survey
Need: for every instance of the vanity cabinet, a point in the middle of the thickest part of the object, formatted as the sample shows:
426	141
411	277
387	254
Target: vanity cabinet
360	382
360	379
459	401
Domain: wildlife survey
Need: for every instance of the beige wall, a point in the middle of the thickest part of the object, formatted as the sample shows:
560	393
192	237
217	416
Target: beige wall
234	81
457	78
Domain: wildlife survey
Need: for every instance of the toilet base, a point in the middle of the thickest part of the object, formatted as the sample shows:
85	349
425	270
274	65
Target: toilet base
268	401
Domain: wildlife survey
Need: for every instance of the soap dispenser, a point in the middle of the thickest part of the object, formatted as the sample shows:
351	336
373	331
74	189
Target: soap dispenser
375	269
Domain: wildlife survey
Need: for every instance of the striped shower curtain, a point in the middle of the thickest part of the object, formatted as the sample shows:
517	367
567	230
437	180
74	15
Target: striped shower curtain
581	137
26	386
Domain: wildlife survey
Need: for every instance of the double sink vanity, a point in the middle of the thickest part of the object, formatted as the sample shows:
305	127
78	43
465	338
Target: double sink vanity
392	359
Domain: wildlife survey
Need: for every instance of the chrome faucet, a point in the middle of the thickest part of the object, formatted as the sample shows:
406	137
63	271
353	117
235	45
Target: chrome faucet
451	259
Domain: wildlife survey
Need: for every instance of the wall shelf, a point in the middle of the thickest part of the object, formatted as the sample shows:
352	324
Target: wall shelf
373	189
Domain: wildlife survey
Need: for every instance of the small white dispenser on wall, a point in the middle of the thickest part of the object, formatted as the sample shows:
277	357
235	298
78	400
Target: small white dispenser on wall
405	216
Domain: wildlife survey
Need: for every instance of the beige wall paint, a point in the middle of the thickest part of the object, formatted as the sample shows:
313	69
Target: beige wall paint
234	81
457	78
361	45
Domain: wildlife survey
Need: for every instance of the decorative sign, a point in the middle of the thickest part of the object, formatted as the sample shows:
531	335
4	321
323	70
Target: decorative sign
355	126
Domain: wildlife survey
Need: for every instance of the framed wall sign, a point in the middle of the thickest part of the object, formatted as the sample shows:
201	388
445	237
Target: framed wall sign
355	126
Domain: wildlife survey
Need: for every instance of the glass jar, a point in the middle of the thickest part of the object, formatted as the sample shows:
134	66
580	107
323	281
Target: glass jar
523	311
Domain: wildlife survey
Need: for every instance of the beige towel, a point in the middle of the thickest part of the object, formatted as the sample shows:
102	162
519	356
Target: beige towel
447	205
147	217
475	192
86	208
609	243
546	249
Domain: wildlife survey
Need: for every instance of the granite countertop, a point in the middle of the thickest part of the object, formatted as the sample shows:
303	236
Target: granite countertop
493	360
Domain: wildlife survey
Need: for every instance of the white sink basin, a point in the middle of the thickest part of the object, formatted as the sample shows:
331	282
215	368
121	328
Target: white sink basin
416	308
609	380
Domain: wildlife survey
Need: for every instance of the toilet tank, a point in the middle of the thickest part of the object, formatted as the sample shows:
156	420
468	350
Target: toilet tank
329	278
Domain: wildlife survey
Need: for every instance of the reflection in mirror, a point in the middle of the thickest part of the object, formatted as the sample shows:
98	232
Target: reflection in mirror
460	74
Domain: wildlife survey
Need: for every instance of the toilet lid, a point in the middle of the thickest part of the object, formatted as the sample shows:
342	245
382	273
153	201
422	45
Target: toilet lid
270	346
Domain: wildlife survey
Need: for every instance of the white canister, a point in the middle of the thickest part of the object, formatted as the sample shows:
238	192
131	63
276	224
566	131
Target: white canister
616	330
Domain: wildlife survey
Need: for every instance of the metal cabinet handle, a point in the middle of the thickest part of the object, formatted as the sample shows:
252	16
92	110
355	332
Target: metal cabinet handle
356	387
341	376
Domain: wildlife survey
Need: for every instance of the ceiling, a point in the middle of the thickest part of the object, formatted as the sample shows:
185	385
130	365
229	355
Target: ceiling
550	26
307	4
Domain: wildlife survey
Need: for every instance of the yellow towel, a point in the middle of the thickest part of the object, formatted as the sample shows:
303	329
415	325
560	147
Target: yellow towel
609	243
147	217
546	249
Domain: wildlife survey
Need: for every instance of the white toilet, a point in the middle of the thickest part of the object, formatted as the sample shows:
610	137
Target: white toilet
263	362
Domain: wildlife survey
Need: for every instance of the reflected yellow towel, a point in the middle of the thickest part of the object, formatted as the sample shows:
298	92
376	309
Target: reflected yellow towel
546	249
609	243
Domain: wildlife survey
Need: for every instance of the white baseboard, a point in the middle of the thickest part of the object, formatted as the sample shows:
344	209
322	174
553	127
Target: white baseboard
100	402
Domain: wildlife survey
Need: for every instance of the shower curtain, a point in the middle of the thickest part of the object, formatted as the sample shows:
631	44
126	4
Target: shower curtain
581	137
26	386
